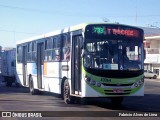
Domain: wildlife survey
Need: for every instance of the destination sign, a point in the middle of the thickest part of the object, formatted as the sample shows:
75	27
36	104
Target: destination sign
103	30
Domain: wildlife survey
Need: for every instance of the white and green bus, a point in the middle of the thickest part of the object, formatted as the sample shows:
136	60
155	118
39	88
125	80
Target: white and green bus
84	61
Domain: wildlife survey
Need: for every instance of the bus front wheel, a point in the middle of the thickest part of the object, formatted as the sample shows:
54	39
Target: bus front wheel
68	99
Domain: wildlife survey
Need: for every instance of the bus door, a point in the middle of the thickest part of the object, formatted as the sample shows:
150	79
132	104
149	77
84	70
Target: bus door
40	62
76	65
24	65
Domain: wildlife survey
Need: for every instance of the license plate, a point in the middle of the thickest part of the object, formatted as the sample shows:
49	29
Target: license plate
118	91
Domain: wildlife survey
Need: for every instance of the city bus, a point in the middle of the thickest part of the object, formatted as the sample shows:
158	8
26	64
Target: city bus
89	60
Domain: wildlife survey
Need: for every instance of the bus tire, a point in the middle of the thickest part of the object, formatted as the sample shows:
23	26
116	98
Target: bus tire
68	99
31	86
116	101
62	89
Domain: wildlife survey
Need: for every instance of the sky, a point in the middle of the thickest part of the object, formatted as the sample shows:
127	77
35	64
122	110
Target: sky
22	19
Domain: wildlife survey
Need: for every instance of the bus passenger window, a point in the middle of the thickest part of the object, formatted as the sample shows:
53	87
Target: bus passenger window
56	48
53	55
57	55
66	53
66	48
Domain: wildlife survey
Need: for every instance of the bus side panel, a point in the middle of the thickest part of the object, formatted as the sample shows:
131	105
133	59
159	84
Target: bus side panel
52	76
66	70
32	70
19	75
87	91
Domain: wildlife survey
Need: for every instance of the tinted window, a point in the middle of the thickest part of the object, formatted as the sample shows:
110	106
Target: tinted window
19	54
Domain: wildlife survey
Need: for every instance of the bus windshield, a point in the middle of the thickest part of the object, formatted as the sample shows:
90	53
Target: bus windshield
110	54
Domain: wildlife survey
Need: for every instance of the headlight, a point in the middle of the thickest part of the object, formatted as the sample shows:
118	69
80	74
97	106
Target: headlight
139	83
93	82
98	84
87	79
136	84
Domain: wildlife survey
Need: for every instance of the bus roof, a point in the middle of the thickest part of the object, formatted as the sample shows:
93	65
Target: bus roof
56	32
65	30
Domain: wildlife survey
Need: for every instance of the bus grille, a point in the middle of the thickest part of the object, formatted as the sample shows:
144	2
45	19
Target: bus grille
106	84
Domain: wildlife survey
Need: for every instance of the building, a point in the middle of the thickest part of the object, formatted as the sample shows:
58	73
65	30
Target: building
152	47
0	57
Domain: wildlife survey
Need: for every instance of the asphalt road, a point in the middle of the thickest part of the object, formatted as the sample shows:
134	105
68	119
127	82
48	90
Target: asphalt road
19	99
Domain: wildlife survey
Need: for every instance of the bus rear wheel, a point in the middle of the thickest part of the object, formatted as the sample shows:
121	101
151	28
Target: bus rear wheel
68	99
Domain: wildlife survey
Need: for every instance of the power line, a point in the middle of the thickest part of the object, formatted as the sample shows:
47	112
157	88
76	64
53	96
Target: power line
13	7
34	10
3	30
